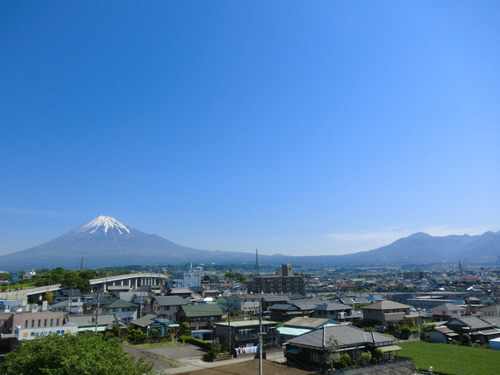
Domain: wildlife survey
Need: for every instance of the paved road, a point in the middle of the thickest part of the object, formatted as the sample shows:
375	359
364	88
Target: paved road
187	358
190	364
178	352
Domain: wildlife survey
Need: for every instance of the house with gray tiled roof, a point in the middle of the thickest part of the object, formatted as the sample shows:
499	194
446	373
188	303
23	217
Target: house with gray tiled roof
384	312
285	311
314	349
335	311
305	307
443	335
480	329
151	321
447	311
124	310
167	306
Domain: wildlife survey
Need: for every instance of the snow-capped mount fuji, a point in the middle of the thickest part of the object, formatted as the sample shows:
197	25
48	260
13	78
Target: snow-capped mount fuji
104	224
106	242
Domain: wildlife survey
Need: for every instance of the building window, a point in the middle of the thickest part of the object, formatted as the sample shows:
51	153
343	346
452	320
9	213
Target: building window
39	322
45	323
26	324
32	323
51	322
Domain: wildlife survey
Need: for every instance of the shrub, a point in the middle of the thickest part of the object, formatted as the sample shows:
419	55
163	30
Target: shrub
345	361
136	336
212	353
200	343
364	359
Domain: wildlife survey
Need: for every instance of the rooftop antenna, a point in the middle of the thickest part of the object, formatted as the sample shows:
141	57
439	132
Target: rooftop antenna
257	268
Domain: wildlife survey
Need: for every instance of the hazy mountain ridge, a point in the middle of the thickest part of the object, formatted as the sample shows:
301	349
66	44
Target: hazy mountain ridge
105	242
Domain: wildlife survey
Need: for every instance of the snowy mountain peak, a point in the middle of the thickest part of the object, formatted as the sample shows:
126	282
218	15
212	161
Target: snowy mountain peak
104	224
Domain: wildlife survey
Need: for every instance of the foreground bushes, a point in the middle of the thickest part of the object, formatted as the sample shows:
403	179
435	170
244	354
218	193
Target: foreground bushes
83	354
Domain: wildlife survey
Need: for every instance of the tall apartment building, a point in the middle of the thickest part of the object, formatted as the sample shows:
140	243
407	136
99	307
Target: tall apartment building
283	282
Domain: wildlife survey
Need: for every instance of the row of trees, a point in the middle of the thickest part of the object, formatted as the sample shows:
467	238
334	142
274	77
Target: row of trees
228	276
137	336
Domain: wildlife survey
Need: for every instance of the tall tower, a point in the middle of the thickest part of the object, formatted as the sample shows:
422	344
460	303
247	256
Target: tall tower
257	268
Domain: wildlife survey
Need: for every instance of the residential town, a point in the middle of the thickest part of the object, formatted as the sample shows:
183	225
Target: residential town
308	316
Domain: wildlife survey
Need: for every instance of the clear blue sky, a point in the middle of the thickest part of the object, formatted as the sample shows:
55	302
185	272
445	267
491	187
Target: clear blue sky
293	127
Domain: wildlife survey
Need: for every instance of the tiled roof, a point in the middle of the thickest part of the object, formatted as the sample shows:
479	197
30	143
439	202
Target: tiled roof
121	304
305	322
282	307
493	320
145	321
171	301
192	311
343	335
332	307
88	320
307	305
472	322
386	305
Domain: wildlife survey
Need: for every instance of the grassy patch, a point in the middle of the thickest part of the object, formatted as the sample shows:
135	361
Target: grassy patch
172	363
451	359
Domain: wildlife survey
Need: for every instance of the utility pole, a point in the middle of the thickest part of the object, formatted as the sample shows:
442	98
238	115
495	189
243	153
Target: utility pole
229	328
97	312
260	337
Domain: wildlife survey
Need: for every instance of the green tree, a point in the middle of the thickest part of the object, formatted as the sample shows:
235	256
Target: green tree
185	329
49	297
465	339
235	276
332	353
72	280
83	354
377	355
136	336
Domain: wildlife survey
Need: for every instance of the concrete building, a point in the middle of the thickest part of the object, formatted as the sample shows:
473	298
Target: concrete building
284	282
187	279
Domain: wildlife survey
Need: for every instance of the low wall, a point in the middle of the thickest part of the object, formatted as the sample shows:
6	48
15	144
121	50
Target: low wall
402	366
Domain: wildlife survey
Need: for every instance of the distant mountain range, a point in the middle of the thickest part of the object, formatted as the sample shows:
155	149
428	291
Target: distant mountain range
106	242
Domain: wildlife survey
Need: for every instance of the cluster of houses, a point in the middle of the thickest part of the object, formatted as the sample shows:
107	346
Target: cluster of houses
306	328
